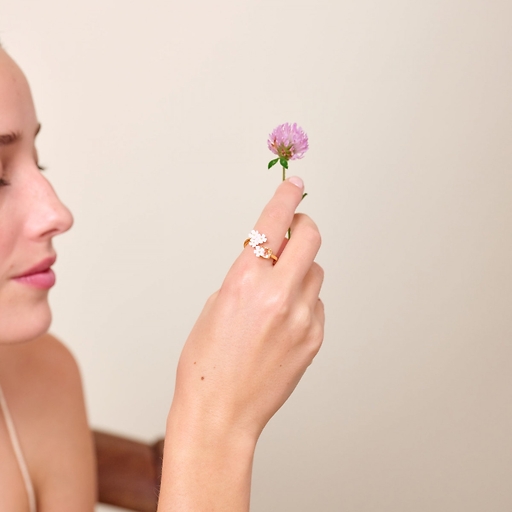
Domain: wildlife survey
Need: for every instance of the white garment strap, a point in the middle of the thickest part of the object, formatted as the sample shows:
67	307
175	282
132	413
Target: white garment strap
19	454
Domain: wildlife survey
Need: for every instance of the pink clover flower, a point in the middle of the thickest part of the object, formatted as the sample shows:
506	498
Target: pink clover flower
288	141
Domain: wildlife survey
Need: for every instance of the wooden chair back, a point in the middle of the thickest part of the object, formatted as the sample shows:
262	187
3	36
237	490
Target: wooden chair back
129	472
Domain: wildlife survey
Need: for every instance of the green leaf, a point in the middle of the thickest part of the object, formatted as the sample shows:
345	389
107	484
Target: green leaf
273	162
304	195
284	162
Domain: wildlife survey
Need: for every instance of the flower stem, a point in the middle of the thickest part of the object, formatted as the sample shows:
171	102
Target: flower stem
284	178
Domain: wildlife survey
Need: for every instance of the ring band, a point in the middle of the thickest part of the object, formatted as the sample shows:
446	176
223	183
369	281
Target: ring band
256	240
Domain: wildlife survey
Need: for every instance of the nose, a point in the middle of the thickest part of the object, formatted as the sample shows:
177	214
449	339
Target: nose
50	217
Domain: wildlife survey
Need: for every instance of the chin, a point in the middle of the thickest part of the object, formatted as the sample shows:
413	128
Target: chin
20	325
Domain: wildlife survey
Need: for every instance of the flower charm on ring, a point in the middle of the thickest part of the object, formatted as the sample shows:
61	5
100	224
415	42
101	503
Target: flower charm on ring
255	240
259	251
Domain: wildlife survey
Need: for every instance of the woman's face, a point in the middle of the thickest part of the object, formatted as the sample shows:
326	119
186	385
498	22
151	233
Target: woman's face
30	214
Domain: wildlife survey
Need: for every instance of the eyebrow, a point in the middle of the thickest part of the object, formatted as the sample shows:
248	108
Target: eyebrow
10	138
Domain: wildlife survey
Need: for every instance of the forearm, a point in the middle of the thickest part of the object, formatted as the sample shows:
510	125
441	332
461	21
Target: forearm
206	467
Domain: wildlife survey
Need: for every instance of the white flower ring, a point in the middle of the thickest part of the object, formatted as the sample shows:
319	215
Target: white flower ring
255	240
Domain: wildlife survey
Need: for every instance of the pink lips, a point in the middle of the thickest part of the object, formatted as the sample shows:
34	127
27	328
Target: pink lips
40	276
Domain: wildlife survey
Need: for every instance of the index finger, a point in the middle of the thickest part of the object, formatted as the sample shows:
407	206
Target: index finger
277	215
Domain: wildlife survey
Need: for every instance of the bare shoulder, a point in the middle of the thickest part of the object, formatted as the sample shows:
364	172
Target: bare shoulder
32	369
42	384
40	375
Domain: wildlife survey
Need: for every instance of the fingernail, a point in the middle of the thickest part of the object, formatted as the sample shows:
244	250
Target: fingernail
296	181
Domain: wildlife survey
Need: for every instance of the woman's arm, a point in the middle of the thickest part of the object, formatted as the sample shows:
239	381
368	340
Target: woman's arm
248	350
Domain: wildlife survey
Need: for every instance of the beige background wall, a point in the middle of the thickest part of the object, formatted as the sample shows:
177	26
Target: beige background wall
155	120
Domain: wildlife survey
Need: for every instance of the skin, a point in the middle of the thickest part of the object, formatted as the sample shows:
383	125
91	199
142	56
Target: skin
40	379
248	350
252	343
30	212
43	389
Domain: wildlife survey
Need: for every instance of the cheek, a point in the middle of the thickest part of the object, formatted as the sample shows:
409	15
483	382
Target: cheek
7	245
9	240
24	313
13	208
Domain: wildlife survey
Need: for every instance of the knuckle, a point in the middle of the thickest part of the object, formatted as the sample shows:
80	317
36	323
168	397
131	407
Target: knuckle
212	298
239	279
302	321
306	219
321	306
318	271
278	303
247	277
308	229
312	235
316	338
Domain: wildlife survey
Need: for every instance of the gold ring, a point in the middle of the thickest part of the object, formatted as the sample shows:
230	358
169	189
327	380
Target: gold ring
256	240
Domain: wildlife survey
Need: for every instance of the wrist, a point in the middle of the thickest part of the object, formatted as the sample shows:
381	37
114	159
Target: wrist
190	429
207	465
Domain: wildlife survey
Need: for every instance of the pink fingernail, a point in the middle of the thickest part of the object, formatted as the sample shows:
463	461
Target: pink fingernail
296	181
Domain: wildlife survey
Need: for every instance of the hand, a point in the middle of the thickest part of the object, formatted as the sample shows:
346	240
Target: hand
257	335
248	350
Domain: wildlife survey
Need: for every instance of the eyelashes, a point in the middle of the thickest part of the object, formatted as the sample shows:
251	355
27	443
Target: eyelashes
6	183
